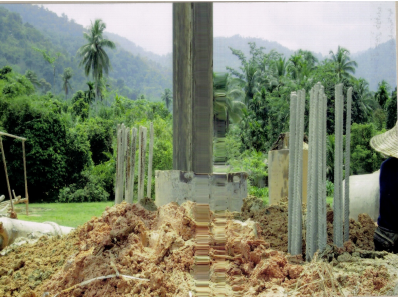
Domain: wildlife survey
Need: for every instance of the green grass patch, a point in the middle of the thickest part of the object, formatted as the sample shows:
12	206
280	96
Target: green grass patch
329	200
64	214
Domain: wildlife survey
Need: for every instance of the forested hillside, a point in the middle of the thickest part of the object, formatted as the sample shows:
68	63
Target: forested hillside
377	64
130	76
374	65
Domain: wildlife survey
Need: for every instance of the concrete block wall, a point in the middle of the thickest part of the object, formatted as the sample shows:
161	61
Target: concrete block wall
221	191
278	174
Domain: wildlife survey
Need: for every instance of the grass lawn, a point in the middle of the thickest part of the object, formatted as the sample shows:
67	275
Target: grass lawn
64	214
74	214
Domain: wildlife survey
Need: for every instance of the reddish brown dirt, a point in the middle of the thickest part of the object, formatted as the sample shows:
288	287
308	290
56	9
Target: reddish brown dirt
135	242
158	246
273	221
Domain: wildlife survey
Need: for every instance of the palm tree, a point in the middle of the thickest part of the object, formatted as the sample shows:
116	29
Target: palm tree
363	101
68	73
281	67
167	97
93	55
227	107
342	64
89	94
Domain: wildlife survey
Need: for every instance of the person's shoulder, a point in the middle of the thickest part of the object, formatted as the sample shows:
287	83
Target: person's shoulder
390	162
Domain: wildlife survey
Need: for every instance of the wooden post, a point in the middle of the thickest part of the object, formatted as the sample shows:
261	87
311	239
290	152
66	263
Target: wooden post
26	180
193	87
130	198
148	188
141	162
5	170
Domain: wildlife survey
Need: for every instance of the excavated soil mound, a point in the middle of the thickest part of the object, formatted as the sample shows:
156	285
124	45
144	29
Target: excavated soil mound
24	269
131	251
273	221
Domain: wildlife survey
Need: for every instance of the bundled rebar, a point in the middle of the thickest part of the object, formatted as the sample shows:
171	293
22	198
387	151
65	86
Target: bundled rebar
296	137
338	168
316	233
292	148
125	162
347	167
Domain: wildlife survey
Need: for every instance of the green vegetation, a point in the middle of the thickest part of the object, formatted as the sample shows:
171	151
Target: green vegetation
69	215
60	38
71	144
71	122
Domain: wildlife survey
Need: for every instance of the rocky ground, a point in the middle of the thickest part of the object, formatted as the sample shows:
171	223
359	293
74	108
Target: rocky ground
132	251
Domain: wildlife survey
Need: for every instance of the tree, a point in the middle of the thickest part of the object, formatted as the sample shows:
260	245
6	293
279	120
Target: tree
32	77
381	95
343	66
45	86
90	94
301	64
228	107
50	59
364	160
94	59
280	67
363	102
249	68
167	97
391	107
66	86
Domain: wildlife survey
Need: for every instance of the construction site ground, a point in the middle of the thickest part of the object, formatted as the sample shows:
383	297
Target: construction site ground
141	250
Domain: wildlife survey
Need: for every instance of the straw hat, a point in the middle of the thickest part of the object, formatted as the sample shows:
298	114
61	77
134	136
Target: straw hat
386	143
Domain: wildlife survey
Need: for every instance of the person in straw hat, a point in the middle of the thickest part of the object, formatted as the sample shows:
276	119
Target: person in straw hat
386	234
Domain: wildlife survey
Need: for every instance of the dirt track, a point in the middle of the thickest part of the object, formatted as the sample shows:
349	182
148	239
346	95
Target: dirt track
159	246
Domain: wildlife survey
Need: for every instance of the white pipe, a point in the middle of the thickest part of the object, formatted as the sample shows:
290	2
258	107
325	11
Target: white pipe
11	229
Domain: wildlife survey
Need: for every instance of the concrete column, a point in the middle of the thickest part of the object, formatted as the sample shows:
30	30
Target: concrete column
193	87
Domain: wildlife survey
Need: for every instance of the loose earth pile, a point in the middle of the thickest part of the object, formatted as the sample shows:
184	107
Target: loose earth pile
133	251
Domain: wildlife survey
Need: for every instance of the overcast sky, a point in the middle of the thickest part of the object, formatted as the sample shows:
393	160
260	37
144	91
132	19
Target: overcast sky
315	26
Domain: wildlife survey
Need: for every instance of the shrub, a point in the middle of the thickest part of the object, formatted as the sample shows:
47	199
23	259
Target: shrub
329	188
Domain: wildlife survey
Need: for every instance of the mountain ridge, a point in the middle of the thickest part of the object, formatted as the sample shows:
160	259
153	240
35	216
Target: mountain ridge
374	64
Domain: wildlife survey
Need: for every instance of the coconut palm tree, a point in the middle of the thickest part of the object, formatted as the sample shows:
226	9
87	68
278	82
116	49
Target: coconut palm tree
90	93
343	65
93	56
228	107
66	86
280	67
363	102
